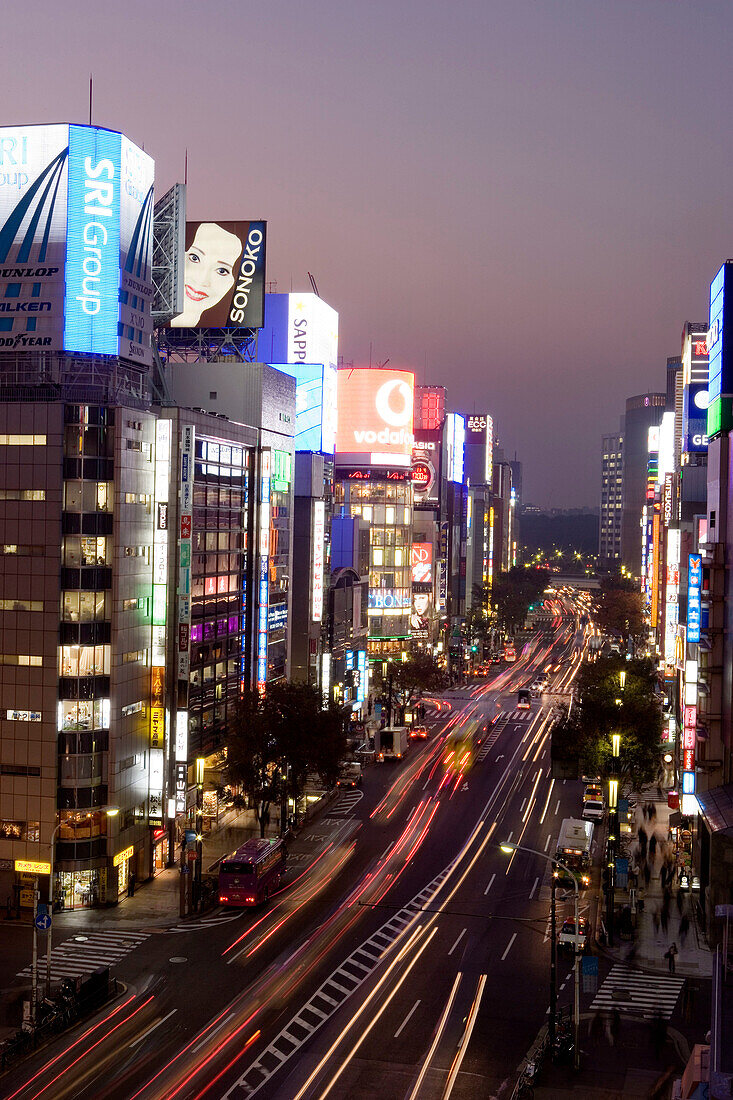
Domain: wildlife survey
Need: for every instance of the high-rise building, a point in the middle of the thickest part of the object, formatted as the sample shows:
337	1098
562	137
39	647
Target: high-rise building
612	499
642	412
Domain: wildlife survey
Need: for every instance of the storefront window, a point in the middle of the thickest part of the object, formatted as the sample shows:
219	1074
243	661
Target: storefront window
84	715
84	660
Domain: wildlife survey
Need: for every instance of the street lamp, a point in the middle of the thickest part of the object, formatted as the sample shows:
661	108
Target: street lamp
508	847
613	829
110	811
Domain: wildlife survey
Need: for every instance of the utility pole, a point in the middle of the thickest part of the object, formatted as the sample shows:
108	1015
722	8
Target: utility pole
34	963
553	960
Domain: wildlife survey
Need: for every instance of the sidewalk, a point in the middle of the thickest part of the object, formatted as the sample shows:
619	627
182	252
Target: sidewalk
650	943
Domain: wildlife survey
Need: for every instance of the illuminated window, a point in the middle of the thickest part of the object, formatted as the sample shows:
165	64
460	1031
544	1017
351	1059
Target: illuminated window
22	440
378	555
399	556
367	511
21	605
389	514
22	494
407	516
20	659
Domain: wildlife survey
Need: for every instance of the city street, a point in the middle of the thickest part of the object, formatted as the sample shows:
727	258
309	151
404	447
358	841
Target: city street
408	958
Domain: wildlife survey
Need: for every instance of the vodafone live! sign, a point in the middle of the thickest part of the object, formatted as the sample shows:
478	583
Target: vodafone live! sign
375	415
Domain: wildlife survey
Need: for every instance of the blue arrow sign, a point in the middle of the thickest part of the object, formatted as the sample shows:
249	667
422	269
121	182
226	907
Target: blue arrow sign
43	922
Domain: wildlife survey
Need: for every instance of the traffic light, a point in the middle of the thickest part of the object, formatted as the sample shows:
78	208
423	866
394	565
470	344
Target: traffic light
474	649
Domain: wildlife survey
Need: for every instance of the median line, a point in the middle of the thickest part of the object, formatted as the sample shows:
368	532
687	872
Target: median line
508	947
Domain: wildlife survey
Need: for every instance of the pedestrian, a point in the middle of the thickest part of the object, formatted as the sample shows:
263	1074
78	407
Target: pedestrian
652	846
664	917
680	902
655	921
653	809
670	956
663	875
647	874
684	928
642	841
131	885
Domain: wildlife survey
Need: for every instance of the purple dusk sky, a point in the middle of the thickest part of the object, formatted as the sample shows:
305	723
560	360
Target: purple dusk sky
522	200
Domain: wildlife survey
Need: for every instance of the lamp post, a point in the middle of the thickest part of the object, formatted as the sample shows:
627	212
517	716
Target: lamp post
508	847
613	828
110	811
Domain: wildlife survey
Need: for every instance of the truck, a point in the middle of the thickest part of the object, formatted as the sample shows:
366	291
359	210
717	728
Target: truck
573	849
391	743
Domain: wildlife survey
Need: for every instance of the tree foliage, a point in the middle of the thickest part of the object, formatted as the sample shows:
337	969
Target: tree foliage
514	591
619	607
418	674
274	740
605	708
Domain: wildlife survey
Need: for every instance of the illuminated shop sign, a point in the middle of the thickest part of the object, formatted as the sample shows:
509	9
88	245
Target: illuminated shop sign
361	664
319	529
263	588
720	368
694	597
375	475
389	598
32	868
125	854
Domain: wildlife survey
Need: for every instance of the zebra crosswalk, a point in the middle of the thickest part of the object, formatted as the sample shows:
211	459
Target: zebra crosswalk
86	952
346	802
635	993
519	715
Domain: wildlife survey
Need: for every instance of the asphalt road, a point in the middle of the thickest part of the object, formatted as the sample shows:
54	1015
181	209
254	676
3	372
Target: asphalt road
406	957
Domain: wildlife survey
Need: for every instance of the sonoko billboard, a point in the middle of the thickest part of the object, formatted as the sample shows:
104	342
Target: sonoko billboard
375	416
76	235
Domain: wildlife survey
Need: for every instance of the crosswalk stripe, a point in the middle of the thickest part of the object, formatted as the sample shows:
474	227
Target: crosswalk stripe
74	957
634	990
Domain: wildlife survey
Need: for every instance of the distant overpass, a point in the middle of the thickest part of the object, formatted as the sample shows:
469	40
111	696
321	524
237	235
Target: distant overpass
574	580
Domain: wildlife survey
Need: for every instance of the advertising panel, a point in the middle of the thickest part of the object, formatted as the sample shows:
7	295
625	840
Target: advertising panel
299	328
76	205
694	590
315	405
720	369
694	418
223	275
421	561
375	415
455	439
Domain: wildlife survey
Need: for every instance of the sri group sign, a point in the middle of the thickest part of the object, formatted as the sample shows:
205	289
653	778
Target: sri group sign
694	597
76	227
375	416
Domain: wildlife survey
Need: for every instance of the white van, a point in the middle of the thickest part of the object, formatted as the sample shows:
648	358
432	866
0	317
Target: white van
593	809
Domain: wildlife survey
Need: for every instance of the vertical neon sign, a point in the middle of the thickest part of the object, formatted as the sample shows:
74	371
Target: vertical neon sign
264	580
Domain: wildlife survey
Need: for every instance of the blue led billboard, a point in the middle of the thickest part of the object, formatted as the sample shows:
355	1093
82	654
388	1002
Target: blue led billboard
315	405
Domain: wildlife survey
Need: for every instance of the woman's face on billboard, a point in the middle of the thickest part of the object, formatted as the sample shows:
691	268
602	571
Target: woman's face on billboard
209	269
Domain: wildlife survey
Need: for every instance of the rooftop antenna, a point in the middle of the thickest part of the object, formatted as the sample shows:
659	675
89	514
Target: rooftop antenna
91	87
313	284
370	354
185	166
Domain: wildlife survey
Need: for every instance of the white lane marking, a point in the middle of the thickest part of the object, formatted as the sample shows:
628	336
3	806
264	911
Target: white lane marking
384	853
524	803
491	880
508	947
558	805
531	893
510	836
460	937
152	1029
547	842
406	1020
208	1035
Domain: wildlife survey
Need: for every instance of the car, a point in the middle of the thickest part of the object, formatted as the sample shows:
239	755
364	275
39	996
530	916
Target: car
537	687
350	776
593	793
418	733
496	658
568	938
594	809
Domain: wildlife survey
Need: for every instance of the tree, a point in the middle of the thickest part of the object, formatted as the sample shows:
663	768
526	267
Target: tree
619	607
604	708
274	740
419	673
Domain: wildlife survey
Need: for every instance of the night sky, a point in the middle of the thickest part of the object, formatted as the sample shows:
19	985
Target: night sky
522	200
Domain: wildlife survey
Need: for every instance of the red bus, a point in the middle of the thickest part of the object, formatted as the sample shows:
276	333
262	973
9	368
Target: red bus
249	875
510	653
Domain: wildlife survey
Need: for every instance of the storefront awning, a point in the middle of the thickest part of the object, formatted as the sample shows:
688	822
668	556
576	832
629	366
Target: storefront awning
716	806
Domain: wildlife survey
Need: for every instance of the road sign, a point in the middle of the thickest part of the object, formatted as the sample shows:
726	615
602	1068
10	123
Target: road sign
43	921
622	873
589	968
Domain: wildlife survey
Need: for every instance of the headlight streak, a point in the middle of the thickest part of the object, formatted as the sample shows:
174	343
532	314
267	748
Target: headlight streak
197	1069
465	1039
416	934
436	1037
